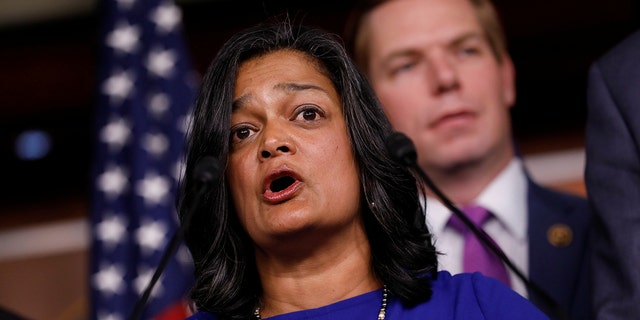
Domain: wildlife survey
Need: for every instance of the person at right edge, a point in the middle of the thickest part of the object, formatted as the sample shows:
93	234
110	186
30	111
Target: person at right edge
612	176
445	79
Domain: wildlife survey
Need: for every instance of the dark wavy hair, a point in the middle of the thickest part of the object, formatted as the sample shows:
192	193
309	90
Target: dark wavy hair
227	282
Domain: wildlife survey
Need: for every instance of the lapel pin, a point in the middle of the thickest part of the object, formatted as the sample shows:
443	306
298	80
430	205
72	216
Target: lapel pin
560	235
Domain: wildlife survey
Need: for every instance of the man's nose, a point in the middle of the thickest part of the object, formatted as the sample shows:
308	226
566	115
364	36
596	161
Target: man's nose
443	73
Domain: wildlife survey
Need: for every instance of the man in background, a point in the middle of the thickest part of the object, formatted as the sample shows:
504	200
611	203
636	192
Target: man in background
444	77
612	176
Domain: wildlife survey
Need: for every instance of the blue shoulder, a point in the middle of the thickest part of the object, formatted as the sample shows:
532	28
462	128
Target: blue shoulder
202	316
473	293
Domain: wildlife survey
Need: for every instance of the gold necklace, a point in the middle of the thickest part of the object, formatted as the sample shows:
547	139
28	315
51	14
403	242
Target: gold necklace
381	315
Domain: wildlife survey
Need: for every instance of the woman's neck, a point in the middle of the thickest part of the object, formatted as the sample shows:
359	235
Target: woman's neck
333	269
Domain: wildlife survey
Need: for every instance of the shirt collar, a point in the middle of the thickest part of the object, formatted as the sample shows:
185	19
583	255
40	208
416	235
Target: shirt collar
505	197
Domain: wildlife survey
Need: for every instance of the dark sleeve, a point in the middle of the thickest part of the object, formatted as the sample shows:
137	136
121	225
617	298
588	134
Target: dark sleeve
612	177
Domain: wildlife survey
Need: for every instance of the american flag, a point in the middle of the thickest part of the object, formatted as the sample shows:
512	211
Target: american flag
146	88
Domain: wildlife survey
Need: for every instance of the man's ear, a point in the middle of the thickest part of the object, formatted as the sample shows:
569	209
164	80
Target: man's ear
508	74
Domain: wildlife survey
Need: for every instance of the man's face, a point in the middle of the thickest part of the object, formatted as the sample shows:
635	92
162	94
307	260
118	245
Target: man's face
439	81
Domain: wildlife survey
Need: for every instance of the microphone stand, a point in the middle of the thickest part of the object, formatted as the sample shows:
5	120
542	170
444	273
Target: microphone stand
207	169
402	149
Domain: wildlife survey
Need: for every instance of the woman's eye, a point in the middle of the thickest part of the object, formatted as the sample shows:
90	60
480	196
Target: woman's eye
241	133
310	113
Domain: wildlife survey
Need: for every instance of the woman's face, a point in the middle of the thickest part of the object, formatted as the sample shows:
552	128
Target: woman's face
291	167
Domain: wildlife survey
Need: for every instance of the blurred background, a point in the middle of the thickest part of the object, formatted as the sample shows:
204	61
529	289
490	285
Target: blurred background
48	73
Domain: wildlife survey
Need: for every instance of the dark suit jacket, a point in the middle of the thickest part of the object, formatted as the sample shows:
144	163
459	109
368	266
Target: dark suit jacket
557	258
612	177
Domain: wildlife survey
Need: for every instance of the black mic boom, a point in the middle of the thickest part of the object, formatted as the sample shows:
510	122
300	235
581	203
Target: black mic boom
206	171
401	148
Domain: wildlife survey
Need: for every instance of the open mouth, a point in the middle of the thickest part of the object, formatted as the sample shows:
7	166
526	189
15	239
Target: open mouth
281	183
281	186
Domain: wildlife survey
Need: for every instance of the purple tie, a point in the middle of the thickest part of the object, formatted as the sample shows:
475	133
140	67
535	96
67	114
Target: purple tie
477	257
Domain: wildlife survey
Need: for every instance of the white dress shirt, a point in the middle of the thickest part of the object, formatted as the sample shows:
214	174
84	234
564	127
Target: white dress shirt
506	198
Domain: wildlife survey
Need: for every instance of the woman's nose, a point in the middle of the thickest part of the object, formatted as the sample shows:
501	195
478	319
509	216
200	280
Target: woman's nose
276	142
266	153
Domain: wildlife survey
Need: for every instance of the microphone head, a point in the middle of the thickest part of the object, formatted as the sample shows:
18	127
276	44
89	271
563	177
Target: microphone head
401	148
207	169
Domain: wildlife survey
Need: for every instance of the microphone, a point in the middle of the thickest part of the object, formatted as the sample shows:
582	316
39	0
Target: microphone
401	148
207	170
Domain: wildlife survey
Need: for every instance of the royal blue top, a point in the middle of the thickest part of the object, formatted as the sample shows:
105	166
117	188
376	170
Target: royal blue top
463	296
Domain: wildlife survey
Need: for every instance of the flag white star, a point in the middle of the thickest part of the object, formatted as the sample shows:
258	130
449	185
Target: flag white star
159	104
116	133
142	281
166	17
156	144
179	169
124	37
109	280
111	230
184	123
184	256
113	181
151	236
161	62
153	188
118	86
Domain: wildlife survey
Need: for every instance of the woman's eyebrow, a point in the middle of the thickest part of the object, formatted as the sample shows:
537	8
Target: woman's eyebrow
283	86
292	86
240	101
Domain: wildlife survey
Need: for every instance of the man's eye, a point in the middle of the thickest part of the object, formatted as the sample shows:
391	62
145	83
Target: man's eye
469	51
403	67
406	66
